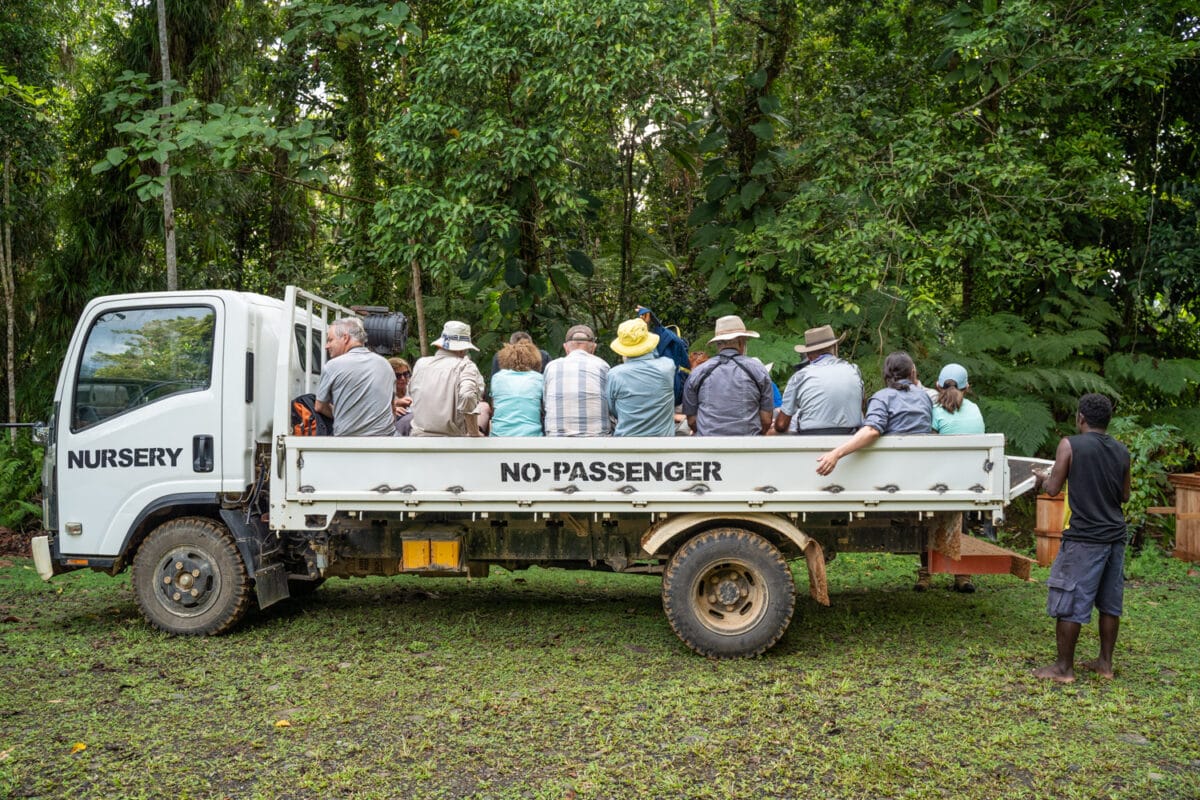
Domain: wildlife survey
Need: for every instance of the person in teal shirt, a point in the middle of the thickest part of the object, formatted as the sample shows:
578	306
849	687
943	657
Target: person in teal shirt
952	413
641	391
517	391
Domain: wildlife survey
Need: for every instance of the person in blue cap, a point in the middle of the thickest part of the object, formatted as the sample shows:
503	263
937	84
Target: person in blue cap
952	414
670	345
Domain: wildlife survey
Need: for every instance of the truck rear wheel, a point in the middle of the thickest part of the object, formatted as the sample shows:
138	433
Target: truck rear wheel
189	578
728	593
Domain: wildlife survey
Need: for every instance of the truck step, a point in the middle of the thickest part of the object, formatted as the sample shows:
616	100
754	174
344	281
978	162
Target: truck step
981	558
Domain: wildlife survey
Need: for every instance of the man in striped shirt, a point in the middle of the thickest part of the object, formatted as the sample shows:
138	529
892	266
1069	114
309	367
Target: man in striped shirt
574	395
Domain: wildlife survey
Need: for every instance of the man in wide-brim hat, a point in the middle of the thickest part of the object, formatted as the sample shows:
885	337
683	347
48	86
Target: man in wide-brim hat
825	397
447	387
731	394
641	390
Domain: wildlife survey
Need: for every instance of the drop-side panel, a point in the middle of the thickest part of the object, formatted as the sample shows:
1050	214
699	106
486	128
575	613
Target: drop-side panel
323	475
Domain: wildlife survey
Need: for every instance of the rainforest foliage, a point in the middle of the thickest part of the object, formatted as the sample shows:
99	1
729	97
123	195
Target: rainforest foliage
1010	184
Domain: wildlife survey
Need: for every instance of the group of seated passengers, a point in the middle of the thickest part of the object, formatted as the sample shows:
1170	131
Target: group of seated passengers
579	394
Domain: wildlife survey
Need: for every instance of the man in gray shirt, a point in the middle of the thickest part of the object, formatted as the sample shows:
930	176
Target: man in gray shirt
731	394
825	397
357	385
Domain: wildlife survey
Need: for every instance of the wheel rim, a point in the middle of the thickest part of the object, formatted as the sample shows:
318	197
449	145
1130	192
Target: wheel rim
187	582
730	597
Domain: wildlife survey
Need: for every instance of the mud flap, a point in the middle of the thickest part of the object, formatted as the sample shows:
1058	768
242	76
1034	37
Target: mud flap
40	546
271	585
818	585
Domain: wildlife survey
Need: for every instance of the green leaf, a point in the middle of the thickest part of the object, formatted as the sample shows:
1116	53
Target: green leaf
764	130
580	262
764	165
718	188
707	235
758	284
115	156
702	213
514	276
712	168
717	282
750	193
769	104
758	80
713	141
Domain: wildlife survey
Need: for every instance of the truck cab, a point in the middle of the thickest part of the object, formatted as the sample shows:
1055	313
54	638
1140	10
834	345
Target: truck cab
158	407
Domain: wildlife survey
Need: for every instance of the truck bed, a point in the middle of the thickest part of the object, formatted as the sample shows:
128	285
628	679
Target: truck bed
322	476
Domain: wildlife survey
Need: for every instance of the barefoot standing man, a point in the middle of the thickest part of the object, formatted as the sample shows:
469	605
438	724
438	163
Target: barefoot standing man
1088	569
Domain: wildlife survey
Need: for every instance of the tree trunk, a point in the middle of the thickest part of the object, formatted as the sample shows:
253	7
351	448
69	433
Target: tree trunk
165	166
356	80
419	307
9	288
628	201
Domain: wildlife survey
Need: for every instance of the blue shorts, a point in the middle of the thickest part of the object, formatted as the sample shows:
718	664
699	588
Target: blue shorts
1086	575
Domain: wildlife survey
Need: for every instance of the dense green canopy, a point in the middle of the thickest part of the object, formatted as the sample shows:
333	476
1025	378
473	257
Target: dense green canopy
1010	184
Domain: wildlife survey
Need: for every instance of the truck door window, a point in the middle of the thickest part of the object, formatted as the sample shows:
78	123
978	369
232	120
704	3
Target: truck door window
138	356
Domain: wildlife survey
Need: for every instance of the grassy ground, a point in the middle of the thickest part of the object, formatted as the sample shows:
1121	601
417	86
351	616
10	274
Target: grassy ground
552	684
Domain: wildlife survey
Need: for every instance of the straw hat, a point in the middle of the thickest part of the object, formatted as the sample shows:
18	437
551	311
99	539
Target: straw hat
731	327
818	339
634	339
455	336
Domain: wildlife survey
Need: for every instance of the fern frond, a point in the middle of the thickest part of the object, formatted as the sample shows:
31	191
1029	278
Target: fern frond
1083	311
996	333
1026	422
1171	376
1187	420
1047	380
1057	348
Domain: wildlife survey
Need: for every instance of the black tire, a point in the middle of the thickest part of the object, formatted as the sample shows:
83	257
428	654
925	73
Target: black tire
189	578
728	593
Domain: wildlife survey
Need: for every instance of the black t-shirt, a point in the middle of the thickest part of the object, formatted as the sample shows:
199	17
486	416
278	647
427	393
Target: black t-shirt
1096	487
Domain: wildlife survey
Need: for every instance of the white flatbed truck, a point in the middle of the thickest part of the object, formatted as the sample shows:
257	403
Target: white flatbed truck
170	450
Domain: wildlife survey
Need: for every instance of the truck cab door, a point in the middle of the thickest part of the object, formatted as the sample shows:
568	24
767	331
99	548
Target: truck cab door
139	417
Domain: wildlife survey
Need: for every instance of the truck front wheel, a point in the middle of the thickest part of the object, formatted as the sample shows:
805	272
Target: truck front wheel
728	593
189	578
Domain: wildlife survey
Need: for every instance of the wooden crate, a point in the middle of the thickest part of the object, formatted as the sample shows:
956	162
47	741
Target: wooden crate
1050	512
1187	515
1049	528
1048	543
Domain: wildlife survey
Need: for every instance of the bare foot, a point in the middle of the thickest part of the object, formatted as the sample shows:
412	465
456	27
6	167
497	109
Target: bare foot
1053	673
1102	668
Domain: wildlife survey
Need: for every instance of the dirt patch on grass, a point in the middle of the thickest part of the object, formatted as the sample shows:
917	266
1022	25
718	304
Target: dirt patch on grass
14	543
